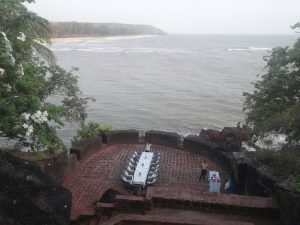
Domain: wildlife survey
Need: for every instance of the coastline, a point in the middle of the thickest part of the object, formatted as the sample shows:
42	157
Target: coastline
97	38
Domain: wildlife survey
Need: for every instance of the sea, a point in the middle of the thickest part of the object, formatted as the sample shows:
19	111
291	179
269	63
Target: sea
178	83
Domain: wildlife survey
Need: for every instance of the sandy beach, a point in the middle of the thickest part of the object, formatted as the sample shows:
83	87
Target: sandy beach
76	39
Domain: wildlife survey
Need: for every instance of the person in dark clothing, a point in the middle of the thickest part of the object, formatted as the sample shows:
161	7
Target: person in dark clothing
204	167
232	187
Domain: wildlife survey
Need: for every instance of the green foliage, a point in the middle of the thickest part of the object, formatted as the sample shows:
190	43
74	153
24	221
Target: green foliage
275	103
91	129
284	163
274	107
293	183
27	82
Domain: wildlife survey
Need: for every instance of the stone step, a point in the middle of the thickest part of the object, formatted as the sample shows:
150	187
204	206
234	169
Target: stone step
93	221
126	219
191	199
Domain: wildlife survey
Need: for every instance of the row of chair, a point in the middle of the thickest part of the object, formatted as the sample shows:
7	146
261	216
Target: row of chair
154	169
127	177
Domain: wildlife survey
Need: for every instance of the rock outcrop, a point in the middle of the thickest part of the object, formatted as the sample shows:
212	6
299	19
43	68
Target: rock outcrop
28	196
230	138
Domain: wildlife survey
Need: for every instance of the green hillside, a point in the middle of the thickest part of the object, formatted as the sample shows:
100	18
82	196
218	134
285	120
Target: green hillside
76	29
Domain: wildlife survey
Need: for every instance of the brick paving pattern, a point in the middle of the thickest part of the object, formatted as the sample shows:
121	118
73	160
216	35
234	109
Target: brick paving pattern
102	170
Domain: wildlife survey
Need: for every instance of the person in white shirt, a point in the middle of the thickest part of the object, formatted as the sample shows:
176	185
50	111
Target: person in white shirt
227	185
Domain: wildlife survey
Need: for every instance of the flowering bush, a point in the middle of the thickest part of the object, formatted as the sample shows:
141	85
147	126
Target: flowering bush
28	76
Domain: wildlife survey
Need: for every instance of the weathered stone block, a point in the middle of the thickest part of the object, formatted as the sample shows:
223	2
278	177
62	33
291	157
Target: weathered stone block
232	139
84	146
200	145
169	139
121	136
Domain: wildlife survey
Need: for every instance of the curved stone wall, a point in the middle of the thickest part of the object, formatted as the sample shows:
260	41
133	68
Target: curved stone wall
121	136
85	146
169	139
252	177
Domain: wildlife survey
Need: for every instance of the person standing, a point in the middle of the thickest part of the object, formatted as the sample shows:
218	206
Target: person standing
232	187
204	166
227	185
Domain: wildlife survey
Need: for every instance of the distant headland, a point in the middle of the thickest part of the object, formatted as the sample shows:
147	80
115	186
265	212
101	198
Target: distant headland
79	29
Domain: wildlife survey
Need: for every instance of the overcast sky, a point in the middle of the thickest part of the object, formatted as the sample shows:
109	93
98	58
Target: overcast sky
181	16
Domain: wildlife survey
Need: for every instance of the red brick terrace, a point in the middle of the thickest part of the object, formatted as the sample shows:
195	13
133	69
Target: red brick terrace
177	198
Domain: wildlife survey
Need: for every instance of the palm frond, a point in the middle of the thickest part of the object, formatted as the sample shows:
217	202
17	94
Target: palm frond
44	52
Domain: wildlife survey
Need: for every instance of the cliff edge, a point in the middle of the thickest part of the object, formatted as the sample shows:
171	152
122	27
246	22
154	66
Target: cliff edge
28	196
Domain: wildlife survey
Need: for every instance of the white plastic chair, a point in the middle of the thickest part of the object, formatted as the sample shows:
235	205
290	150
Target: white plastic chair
128	173
127	181
152	176
150	182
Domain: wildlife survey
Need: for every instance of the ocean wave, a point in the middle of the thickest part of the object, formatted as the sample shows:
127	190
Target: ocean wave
113	38
251	49
125	50
60	49
271	142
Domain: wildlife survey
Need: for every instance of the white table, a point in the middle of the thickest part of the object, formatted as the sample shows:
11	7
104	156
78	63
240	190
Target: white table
142	168
211	173
214	186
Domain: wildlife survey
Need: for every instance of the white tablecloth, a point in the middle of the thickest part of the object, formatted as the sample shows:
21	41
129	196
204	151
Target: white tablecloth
142	168
214	186
211	173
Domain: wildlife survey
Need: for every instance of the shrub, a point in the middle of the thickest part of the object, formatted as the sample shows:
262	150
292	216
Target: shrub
284	163
91	129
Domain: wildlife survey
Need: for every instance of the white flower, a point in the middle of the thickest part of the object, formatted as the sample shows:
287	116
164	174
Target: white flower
7	43
40	117
4	34
25	125
26	116
45	114
1	72
29	130
21	37
20	70
8	87
11	59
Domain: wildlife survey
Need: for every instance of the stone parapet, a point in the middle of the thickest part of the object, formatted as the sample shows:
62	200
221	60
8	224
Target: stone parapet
121	136
204	147
169	139
199	145
85	146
